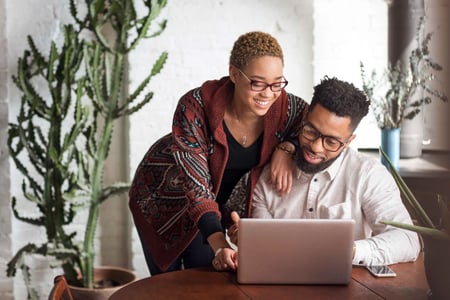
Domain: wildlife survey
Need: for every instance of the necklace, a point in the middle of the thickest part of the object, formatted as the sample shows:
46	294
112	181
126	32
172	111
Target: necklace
243	140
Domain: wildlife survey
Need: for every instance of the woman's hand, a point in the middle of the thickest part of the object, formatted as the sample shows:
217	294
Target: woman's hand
281	168
225	259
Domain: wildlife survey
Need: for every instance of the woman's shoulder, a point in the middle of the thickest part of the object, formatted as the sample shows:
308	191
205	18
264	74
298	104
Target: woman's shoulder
207	91
293	97
296	106
296	100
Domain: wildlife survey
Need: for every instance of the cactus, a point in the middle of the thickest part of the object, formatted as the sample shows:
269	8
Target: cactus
82	86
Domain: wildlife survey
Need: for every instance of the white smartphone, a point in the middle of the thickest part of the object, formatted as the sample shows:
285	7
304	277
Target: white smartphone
381	271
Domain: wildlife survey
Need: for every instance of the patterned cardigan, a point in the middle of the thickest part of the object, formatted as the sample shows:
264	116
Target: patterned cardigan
179	176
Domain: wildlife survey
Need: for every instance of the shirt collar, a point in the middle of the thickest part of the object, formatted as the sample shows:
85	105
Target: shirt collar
332	170
336	165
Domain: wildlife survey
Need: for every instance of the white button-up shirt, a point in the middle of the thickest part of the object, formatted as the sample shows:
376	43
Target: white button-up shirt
355	186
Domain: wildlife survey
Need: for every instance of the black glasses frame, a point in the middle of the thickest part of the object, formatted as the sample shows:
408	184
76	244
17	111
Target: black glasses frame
255	84
318	134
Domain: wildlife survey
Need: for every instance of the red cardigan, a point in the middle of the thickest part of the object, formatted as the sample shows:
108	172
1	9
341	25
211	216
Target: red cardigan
176	182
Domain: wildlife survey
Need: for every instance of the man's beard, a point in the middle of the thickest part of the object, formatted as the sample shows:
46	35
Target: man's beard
309	168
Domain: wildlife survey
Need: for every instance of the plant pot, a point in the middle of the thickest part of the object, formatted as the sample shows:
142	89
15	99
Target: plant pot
118	277
437	267
412	137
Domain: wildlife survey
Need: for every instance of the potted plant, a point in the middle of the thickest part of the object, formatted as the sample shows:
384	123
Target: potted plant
401	91
60	142
435	236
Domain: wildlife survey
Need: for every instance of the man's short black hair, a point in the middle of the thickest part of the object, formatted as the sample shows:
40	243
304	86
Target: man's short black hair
341	98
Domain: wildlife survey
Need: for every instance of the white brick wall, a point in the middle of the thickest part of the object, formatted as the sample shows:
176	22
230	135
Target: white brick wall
318	37
6	284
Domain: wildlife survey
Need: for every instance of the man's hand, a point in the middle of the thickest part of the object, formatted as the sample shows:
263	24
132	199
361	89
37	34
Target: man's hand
233	230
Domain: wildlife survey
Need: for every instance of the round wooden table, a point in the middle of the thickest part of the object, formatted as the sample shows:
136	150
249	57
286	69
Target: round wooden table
205	283
201	283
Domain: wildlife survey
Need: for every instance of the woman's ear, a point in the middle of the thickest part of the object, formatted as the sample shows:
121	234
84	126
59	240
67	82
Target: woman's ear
232	70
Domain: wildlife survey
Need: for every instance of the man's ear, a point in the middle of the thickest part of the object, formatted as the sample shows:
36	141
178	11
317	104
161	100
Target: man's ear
350	139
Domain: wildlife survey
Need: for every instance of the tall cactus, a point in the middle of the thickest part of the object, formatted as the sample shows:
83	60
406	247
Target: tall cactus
84	88
44	153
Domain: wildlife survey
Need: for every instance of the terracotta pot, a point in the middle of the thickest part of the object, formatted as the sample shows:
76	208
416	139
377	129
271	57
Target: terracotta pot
437	267
117	275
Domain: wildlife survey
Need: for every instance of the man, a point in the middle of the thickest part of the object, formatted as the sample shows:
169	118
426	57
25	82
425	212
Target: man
334	181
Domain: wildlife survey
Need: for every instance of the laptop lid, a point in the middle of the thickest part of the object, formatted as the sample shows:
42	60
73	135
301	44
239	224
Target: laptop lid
295	251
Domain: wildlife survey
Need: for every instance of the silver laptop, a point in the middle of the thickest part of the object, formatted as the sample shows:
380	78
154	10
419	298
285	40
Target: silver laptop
300	251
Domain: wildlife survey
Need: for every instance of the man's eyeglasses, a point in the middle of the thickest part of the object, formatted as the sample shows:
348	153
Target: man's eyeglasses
329	143
259	86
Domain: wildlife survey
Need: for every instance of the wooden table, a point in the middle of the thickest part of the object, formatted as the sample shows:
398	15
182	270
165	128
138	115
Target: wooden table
205	283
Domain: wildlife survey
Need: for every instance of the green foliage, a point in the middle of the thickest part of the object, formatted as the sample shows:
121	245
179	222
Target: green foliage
401	91
63	132
425	225
43	153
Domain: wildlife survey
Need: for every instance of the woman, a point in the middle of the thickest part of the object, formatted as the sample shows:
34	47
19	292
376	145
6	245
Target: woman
223	133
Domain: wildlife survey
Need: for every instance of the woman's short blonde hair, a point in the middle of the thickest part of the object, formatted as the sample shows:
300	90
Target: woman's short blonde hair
252	45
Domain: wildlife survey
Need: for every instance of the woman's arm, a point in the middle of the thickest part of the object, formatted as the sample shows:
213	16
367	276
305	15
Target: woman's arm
191	150
282	167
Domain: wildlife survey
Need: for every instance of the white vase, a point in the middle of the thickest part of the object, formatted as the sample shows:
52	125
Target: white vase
411	137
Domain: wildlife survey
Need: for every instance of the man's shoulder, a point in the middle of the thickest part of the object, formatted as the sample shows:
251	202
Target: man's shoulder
364	169
359	160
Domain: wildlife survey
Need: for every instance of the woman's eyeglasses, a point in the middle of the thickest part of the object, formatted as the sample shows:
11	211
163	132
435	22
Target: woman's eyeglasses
259	86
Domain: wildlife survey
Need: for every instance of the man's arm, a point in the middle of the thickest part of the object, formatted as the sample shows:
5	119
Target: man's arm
382	201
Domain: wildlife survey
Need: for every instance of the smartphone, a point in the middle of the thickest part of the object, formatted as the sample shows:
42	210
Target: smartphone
381	271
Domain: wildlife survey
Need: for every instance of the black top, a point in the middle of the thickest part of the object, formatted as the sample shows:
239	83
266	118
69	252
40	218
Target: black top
240	161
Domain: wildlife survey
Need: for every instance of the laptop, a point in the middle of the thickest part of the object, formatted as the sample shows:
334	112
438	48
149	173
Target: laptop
295	251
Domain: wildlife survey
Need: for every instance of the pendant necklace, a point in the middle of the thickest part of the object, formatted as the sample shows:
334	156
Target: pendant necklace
244	140
244	137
